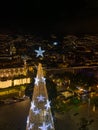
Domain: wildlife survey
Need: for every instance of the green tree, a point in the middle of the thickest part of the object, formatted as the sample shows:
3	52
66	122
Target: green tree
94	100
51	88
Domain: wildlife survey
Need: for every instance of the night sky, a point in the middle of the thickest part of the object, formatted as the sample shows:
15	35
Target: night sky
48	14
36	9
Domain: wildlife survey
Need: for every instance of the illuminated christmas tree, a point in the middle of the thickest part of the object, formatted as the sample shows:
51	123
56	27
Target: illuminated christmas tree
40	116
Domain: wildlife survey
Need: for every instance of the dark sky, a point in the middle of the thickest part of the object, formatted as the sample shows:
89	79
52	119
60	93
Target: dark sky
29	13
46	8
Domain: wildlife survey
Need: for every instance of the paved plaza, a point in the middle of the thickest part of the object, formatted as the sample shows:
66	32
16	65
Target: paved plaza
78	118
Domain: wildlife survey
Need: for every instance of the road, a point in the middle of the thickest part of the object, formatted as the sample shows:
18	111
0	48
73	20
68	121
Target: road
13	116
73	68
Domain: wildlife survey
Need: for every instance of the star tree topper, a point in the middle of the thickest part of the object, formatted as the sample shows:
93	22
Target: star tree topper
39	52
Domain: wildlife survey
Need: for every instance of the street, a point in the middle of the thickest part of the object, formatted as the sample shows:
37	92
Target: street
14	116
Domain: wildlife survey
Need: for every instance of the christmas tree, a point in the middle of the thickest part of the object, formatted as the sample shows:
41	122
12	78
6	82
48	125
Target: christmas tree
40	116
